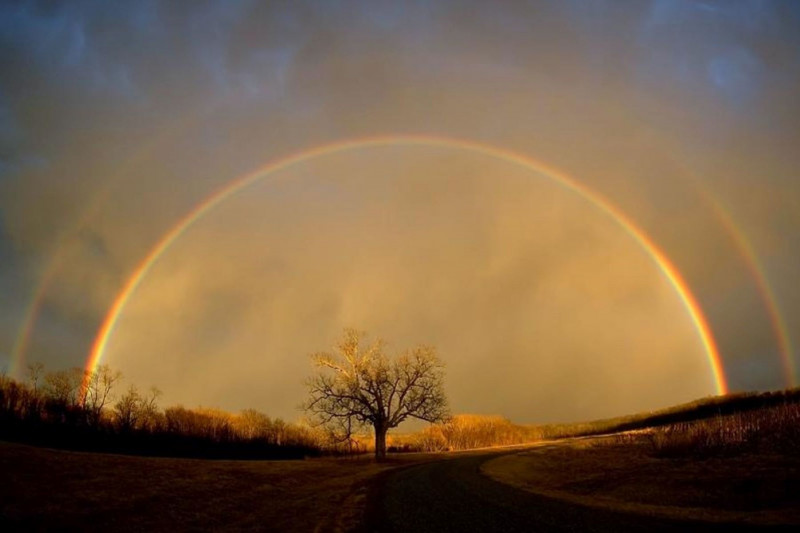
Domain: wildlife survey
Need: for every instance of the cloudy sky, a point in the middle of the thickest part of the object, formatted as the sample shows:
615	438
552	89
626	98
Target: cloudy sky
116	121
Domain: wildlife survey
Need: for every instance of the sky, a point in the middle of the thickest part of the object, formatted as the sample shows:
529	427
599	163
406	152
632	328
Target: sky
676	121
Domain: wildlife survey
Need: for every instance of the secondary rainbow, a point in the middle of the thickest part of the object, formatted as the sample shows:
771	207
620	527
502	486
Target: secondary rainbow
753	265
665	265
49	273
176	129
767	294
20	347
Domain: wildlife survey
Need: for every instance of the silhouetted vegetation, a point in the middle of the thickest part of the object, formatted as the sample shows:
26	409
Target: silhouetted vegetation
703	409
73	409
770	429
721	424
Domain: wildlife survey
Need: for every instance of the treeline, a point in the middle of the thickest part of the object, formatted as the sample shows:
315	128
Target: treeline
708	423
75	409
465	432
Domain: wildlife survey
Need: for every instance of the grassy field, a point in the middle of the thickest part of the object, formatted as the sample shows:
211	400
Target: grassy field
625	474
741	462
45	489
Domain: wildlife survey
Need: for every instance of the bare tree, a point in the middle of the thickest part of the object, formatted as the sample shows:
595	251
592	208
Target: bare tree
149	408
361	386
134	410
35	372
64	386
97	391
127	409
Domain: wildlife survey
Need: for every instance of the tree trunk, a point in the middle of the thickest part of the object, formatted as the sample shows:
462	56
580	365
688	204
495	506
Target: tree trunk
380	442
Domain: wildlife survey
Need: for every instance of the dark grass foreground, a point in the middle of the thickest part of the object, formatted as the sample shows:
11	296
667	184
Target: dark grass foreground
735	466
747	488
48	490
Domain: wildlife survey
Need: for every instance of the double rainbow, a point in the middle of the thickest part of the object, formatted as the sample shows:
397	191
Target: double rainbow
653	251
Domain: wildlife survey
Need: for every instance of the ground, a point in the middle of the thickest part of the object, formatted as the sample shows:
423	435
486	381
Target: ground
586	483
43	489
752	488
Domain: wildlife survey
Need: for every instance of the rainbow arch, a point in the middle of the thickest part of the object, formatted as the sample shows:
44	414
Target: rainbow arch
765	291
49	273
20	346
753	264
226	191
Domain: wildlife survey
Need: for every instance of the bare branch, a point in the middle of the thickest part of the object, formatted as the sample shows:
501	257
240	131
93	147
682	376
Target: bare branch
357	386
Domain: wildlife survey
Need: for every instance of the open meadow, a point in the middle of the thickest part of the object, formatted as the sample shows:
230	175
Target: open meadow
45	489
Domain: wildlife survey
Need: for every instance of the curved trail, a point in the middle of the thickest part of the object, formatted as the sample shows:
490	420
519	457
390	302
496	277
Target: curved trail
452	495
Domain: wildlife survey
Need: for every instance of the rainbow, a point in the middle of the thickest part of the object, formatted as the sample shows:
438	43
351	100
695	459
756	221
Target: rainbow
49	273
753	265
779	329
665	265
20	347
